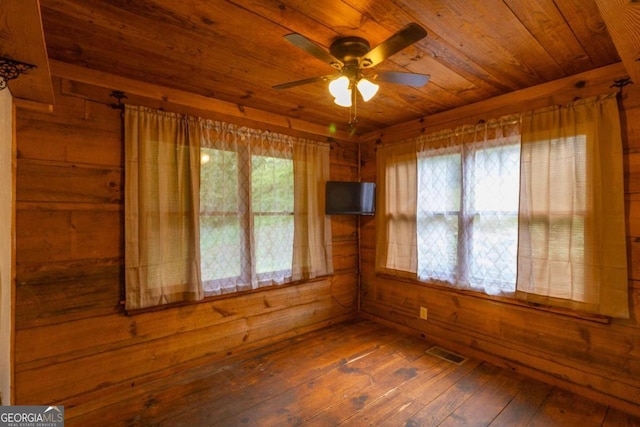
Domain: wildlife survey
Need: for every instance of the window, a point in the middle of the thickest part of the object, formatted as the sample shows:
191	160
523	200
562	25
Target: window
212	208
467	222
246	218
530	206
272	202
220	222
438	220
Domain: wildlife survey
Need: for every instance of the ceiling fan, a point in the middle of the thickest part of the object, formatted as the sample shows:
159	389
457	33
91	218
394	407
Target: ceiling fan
351	56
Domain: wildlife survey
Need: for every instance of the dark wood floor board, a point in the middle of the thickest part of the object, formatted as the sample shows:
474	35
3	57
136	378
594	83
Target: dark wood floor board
486	404
356	373
524	405
290	373
440	408
426	391
391	408
293	406
216	382
385	378
358	379
562	408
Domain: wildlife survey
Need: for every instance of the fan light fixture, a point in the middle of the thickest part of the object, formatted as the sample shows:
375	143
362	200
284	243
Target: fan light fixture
367	89
350	56
342	90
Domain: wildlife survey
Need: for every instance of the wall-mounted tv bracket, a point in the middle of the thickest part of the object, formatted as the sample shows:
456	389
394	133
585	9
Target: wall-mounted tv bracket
10	69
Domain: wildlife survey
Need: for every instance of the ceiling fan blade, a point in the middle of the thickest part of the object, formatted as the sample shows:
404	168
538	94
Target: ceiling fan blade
303	82
410	34
409	79
313	49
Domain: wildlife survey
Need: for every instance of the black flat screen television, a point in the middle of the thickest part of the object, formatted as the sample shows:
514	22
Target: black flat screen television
350	198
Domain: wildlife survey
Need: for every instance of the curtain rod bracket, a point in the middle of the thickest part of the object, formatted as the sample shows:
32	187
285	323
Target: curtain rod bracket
620	83
119	95
10	69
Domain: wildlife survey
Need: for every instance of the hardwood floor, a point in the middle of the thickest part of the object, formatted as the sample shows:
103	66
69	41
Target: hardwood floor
356	373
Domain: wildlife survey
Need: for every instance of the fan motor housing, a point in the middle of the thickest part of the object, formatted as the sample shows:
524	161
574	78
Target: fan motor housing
349	49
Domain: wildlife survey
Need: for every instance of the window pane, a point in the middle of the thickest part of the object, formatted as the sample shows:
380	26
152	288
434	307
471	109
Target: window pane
439	183
272	203
438	259
496	186
220	247
493	207
218	181
493	260
439	186
272	184
220	228
274	243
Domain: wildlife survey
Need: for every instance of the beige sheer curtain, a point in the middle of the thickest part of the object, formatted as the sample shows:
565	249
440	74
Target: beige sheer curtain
396	250
572	249
212	208
312	251
162	255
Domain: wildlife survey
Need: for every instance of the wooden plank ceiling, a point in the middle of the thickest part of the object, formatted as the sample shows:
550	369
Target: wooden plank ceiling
234	50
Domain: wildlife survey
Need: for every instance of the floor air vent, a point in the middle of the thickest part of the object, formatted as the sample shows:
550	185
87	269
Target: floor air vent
447	355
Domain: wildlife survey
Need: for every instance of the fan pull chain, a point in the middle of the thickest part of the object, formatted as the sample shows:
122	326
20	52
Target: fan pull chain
353	119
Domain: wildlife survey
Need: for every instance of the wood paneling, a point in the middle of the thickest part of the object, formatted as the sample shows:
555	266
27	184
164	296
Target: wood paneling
58	182
75	346
234	50
188	99
597	359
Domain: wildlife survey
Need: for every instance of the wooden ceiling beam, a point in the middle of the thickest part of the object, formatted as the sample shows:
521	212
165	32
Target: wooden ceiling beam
622	18
179	97
22	39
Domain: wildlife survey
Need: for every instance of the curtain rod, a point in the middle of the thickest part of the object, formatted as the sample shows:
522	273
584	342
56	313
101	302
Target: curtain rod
507	120
232	128
467	129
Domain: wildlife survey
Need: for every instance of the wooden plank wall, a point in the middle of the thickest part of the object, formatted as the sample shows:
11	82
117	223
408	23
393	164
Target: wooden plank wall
75	346
596	359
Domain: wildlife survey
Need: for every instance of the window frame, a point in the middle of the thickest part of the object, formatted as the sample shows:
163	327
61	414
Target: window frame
246	223
462	270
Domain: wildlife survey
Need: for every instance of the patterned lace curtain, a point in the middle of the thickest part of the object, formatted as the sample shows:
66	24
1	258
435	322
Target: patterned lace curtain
467	210
572	250
246	208
162	252
262	209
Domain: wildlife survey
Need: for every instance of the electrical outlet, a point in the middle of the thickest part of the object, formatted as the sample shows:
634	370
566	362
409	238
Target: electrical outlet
423	313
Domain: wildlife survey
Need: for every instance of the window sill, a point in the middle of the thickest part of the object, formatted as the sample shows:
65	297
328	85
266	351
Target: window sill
212	298
501	299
